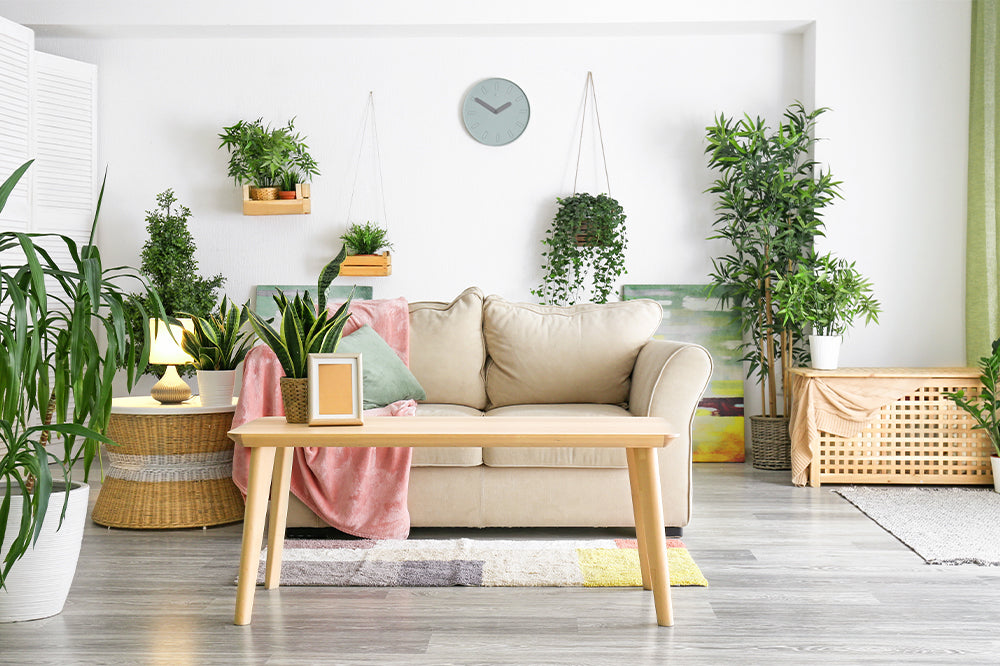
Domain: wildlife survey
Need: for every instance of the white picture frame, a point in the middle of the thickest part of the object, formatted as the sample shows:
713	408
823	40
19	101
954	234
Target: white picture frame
329	375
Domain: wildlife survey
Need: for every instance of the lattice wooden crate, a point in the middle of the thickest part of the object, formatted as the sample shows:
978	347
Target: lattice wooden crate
921	438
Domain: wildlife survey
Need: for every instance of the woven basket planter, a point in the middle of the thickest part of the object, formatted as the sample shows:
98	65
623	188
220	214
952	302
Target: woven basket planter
263	193
770	443
295	394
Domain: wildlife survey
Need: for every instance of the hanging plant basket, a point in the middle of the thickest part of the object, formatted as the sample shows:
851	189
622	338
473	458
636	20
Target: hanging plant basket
368	265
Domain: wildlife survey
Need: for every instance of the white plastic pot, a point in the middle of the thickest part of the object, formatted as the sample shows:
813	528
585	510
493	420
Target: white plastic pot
216	387
38	583
825	351
995	462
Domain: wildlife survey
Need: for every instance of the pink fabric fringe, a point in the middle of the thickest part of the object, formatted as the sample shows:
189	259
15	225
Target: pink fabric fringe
358	491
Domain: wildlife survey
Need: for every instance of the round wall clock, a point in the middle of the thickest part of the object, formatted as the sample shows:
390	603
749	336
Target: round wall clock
495	111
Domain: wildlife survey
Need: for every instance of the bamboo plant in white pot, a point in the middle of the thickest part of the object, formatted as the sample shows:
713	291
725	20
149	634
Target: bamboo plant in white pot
986	409
827	294
218	344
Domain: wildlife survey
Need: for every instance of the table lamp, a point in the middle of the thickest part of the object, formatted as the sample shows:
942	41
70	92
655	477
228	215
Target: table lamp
167	350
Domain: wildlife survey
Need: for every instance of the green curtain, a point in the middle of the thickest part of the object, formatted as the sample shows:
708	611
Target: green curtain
982	272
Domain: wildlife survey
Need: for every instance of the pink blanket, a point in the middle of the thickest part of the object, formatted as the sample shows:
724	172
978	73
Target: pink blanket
358	491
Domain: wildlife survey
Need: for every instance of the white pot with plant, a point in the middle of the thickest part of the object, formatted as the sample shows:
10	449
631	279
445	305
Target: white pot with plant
218	343
42	513
827	294
986	409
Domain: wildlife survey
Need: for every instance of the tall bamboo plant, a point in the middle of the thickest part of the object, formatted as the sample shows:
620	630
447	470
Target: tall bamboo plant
55	372
771	195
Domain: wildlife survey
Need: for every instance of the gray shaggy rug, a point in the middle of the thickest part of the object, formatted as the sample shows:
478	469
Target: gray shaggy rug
941	525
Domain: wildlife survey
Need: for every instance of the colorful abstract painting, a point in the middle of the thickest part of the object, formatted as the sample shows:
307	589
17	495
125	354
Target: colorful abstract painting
690	315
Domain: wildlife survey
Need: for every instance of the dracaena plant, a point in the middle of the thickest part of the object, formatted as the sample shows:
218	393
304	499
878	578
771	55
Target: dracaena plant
985	410
219	341
56	374
305	327
826	293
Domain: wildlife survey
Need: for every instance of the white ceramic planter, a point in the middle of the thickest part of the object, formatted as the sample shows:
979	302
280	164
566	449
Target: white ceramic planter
38	583
825	351
995	463
216	387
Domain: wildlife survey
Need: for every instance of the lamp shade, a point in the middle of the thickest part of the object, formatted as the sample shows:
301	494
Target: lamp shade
167	350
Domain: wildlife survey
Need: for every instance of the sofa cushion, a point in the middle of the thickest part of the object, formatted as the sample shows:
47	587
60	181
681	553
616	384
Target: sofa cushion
554	456
447	456
386	378
554	354
447	352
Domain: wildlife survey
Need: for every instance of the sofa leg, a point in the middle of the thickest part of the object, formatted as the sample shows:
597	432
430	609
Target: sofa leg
674	532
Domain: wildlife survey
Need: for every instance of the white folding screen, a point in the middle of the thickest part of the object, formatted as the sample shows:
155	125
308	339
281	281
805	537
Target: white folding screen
17	45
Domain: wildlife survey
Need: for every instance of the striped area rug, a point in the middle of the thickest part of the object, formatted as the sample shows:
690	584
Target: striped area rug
475	562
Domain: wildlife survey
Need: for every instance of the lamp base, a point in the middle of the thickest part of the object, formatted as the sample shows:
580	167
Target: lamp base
171	389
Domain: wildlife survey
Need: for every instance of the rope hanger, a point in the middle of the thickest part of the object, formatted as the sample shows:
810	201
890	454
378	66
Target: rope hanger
591	90
369	113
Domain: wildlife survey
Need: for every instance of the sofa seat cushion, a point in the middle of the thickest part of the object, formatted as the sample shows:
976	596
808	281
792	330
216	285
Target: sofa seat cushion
554	457
447	351
447	456
553	354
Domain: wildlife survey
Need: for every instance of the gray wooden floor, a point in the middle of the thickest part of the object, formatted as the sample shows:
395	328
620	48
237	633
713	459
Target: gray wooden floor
797	575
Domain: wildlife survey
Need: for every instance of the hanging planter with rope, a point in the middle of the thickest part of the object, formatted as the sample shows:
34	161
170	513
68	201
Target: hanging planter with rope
586	237
364	240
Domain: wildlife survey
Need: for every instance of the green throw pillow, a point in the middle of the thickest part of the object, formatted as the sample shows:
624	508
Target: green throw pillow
386	378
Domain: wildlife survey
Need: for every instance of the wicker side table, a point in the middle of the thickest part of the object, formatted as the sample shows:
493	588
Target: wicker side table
172	467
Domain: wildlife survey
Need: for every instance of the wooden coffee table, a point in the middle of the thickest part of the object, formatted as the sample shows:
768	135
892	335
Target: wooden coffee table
271	440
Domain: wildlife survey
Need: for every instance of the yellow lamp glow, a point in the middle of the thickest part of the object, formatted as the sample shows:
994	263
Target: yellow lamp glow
166	349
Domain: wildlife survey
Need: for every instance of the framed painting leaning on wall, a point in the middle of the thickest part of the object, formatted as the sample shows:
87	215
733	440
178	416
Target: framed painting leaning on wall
690	315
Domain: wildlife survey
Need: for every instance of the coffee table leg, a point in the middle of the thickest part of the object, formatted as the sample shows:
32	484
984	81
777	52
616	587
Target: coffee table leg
261	466
648	476
279	512
640	534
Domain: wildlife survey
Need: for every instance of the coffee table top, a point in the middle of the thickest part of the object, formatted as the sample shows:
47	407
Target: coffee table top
442	431
145	404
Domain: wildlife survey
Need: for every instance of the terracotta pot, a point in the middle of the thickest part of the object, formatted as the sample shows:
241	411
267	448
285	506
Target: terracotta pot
295	396
263	193
286	194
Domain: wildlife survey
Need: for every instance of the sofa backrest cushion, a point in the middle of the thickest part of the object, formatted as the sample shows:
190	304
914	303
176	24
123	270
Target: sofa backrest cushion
447	351
564	354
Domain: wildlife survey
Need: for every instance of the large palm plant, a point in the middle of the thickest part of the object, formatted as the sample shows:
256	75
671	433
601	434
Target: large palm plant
55	371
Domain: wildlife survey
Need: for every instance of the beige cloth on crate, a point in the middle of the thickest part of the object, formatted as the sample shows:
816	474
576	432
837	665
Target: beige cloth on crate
842	406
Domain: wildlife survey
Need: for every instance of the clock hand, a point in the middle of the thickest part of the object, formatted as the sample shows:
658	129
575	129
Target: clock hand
502	107
486	106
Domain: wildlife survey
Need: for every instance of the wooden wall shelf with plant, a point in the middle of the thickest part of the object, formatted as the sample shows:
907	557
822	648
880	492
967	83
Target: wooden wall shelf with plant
300	205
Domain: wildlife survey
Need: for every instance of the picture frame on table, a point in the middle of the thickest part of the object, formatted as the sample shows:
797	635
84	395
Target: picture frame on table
336	389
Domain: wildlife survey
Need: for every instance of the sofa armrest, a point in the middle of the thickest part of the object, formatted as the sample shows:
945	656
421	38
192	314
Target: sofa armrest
668	380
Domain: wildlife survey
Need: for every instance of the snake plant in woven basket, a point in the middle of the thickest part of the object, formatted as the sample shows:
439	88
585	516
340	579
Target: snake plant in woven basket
219	341
305	326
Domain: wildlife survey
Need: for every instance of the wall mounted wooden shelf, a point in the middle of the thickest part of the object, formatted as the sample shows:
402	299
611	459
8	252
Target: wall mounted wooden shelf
367	265
300	205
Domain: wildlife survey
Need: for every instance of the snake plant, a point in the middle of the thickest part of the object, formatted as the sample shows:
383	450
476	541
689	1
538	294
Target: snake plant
217	341
305	327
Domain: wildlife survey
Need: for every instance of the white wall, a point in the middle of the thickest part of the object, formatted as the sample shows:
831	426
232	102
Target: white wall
895	73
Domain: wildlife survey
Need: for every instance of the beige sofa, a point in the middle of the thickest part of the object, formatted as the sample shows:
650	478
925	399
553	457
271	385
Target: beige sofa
488	357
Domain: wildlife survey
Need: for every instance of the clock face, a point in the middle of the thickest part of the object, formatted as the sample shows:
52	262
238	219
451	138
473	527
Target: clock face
495	111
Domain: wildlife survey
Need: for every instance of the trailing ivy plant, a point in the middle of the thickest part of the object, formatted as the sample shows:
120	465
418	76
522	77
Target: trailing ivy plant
260	155
770	199
586	239
826	293
169	264
367	238
985	410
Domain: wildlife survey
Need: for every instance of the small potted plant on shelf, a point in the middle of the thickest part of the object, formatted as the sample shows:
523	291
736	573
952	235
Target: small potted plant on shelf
586	238
986	409
259	155
61	341
363	242
304	328
289	179
827	294
218	344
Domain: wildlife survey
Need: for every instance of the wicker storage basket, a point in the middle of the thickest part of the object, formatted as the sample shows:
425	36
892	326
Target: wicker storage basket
263	193
770	443
295	394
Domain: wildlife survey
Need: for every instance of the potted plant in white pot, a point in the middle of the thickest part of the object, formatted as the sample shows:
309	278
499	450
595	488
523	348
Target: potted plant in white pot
55	383
986	409
218	343
827	294
304	328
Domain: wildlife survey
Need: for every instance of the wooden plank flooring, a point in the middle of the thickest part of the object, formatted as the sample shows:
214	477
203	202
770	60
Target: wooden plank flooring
797	576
